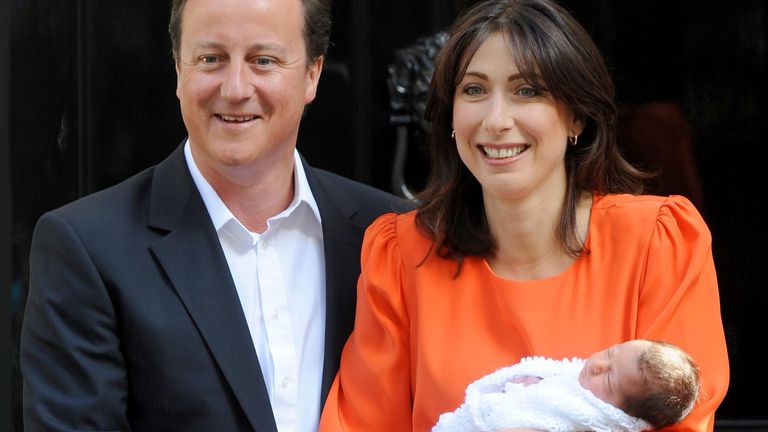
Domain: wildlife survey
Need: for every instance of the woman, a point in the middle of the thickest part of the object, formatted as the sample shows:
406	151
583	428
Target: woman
530	239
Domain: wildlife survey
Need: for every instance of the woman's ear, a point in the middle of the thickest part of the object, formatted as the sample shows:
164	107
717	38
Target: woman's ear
577	126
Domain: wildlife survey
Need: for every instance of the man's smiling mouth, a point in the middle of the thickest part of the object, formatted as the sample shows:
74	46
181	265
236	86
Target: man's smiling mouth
236	119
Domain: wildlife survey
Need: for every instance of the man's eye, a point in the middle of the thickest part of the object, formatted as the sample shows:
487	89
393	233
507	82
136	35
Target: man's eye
208	59
264	61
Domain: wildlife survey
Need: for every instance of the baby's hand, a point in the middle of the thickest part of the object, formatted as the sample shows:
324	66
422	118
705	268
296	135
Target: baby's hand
525	380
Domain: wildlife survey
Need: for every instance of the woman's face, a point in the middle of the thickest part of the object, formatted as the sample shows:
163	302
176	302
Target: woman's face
511	135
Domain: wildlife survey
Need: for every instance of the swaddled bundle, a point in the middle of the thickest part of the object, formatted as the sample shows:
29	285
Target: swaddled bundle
557	403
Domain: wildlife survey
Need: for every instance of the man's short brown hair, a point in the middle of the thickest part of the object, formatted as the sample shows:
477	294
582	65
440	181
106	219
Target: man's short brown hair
317	27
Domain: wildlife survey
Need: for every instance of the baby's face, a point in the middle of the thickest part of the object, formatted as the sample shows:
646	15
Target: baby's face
613	374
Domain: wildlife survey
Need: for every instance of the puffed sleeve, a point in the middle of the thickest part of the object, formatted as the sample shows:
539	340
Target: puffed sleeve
372	390
680	304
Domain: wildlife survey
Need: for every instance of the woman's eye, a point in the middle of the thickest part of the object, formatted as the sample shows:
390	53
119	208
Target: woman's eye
528	92
473	90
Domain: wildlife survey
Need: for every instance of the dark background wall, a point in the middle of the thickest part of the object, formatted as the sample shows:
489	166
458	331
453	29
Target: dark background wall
5	221
92	101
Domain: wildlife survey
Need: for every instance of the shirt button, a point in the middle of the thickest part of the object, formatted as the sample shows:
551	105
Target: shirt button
285	382
274	314
264	244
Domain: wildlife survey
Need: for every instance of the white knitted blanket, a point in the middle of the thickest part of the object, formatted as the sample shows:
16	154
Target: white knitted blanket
557	403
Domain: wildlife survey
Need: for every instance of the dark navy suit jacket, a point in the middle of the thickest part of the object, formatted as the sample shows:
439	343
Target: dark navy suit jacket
133	321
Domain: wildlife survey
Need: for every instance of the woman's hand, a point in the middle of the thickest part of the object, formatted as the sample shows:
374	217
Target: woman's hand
525	380
520	430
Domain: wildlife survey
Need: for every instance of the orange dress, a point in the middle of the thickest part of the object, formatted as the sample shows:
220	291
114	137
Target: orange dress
422	335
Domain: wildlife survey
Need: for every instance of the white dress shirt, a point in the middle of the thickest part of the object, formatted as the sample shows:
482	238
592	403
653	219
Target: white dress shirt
280	279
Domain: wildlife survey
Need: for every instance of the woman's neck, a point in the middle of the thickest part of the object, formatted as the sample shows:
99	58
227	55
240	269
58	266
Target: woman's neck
526	237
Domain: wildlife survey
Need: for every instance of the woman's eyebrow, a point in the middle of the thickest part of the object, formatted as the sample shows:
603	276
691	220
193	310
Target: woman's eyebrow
483	76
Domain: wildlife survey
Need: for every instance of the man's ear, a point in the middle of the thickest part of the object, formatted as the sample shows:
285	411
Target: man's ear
178	77
313	78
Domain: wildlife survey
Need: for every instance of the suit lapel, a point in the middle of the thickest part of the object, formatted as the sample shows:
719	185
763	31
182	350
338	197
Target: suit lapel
192	258
342	239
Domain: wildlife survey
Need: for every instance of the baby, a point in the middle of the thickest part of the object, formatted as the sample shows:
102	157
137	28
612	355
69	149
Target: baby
633	386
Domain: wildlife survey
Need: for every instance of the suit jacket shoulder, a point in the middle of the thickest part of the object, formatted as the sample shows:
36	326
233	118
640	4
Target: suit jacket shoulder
365	201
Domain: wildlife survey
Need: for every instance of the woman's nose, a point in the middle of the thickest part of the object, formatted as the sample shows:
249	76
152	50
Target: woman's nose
500	116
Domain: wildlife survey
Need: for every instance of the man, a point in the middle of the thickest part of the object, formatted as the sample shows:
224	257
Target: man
214	291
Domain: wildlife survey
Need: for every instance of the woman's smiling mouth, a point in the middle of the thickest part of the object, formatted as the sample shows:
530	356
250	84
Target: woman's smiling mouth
503	152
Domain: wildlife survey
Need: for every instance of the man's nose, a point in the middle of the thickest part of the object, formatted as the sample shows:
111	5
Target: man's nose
236	84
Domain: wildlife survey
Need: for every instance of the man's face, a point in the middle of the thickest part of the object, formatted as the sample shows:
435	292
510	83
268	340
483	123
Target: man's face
243	82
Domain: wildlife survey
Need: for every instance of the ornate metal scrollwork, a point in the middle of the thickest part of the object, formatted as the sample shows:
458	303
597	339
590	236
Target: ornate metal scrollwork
408	81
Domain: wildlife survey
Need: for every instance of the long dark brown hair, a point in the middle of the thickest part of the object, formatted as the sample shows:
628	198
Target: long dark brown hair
551	50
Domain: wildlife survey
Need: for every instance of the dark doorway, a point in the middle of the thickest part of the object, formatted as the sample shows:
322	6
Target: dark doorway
91	101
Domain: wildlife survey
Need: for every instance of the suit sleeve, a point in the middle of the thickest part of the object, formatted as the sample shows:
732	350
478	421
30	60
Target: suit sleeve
680	303
372	391
74	373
